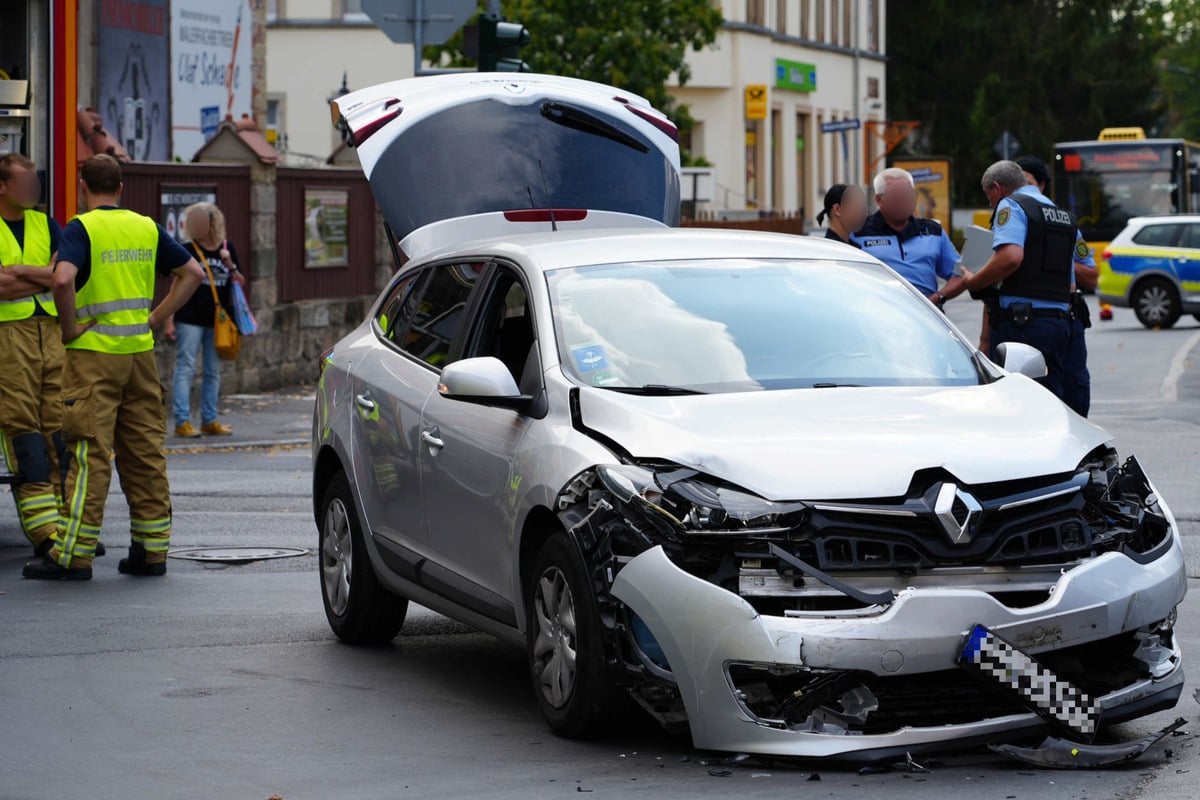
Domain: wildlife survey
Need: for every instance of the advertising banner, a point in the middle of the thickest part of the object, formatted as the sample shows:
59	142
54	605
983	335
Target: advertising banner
932	179
133	72
210	51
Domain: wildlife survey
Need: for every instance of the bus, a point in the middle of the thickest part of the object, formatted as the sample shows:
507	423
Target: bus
1122	175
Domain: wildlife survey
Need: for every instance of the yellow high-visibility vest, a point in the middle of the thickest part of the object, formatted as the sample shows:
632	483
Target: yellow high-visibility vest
120	288
35	252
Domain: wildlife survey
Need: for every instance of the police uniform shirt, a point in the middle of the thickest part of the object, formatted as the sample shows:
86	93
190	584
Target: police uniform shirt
1083	255
77	249
18	231
1011	227
921	253
831	234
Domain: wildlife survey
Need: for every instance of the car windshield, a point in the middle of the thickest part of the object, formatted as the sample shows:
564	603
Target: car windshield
730	325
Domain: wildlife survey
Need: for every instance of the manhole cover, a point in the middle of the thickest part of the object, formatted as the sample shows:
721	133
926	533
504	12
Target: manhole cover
235	555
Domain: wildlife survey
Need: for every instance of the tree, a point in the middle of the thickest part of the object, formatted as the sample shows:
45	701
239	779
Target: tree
1045	70
1180	65
632	44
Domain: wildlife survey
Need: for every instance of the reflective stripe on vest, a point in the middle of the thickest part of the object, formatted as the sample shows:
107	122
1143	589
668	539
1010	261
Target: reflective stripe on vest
120	287
35	252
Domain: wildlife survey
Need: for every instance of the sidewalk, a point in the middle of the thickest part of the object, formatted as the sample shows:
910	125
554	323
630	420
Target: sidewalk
274	419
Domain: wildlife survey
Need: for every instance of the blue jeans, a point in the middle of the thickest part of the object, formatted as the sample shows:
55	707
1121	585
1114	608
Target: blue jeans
189	339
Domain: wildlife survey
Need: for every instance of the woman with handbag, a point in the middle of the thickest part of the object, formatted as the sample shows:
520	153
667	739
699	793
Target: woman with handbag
205	323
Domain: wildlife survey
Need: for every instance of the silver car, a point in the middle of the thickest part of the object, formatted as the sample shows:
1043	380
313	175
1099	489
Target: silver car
750	482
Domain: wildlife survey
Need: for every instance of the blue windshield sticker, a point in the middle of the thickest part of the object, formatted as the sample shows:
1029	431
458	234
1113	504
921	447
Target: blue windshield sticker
589	358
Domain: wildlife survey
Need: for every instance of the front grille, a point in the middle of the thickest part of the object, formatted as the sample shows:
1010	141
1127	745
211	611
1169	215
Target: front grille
948	697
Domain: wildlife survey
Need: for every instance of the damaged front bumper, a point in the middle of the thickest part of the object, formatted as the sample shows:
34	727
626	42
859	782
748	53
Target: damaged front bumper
719	651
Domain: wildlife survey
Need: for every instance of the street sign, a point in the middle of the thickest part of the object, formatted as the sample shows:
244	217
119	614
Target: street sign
795	75
1007	146
440	19
841	125
756	101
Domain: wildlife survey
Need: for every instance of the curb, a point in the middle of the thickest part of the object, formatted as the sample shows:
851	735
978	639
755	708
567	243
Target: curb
210	447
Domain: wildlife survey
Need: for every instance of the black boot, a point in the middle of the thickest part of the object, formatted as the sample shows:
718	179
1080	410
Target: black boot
100	549
136	563
46	569
45	547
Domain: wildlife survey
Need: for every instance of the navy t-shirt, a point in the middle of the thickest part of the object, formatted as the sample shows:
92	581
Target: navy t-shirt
76	248
199	309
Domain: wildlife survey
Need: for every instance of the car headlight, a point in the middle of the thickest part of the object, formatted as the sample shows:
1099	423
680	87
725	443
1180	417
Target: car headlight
693	504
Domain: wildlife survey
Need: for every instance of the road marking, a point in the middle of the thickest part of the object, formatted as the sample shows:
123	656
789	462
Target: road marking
1170	384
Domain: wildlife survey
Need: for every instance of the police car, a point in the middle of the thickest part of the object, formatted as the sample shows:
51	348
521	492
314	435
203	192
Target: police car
1154	268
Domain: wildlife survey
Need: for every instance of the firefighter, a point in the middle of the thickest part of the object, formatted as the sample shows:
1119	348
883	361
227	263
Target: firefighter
112	398
32	351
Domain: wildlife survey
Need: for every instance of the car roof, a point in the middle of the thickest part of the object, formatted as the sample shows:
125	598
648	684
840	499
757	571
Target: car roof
1145	220
548	251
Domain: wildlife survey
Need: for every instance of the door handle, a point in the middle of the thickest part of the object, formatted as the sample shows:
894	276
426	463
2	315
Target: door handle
432	437
364	401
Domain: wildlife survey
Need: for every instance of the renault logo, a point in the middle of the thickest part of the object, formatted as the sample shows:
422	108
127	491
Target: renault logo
956	512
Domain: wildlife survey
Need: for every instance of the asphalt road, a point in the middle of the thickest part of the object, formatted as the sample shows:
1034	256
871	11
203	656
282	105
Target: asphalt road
224	682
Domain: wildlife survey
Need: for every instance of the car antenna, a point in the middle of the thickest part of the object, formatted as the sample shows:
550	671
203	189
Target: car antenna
549	202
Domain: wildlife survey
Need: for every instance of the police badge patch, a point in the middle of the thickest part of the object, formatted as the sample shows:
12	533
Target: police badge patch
1002	216
1081	249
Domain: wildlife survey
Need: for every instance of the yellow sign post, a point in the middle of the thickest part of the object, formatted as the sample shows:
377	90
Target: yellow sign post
756	101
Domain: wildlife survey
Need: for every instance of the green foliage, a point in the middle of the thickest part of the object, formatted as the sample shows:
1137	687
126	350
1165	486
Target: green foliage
1180	67
632	44
1046	70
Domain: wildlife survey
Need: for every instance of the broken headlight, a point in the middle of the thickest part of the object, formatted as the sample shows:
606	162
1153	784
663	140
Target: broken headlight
692	504
1122	508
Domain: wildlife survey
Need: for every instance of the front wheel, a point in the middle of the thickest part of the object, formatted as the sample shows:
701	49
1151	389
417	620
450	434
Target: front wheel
1156	303
565	648
359	609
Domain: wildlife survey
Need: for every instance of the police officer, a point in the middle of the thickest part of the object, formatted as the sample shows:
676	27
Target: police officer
1030	268
1077	381
32	352
916	248
846	210
113	405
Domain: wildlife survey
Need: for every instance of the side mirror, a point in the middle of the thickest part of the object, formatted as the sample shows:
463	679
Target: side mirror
1022	359
484	380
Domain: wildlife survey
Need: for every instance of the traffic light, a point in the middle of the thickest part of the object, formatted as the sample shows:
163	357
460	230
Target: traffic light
500	44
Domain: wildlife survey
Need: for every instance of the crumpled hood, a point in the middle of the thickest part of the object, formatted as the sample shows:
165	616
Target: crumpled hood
846	443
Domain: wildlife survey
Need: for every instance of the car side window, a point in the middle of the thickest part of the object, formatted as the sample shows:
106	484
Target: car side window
398	310
505	328
441	311
1191	236
1157	235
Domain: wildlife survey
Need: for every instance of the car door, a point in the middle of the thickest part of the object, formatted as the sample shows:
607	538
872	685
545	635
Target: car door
415	328
468	478
1188	262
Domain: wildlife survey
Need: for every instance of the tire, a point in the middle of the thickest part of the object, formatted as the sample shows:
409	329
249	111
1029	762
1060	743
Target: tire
561	619
1196	317
1156	303
359	609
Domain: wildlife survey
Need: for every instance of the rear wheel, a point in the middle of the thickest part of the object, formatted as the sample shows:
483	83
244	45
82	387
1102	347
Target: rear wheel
565	649
359	609
1156	303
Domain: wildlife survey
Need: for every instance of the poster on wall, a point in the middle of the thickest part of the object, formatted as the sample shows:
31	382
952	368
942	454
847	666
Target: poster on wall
174	200
931	176
132	87
210	54
326	235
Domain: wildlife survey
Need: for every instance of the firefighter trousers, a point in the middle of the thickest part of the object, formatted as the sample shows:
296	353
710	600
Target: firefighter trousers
113	406
31	420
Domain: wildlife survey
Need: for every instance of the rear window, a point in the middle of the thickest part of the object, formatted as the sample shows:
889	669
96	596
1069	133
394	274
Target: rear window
489	156
1157	235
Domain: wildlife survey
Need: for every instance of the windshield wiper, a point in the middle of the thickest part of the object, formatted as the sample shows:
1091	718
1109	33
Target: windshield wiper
580	120
837	386
654	390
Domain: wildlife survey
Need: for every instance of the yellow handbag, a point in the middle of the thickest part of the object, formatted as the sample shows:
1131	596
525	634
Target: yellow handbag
226	337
